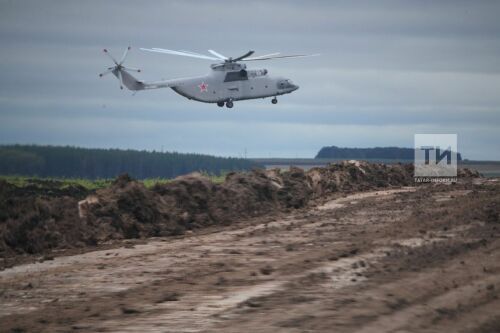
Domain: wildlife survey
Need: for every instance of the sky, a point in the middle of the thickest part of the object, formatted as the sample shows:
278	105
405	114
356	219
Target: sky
387	70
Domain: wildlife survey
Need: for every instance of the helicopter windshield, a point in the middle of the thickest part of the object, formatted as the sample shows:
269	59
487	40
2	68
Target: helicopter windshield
283	84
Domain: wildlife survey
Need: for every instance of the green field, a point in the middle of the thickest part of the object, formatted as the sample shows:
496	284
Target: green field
24	181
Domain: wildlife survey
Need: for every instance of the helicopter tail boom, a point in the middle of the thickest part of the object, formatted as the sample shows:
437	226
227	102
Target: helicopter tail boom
126	79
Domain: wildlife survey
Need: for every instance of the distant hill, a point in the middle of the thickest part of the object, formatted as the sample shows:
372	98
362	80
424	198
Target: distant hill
396	153
74	162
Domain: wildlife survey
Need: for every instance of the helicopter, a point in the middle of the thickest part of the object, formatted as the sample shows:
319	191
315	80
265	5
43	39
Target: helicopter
229	79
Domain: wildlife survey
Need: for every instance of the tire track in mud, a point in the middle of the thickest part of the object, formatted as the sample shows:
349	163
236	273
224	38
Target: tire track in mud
200	312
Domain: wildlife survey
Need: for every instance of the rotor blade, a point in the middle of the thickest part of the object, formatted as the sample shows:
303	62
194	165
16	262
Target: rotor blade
185	53
199	56
109	55
218	55
263	56
120	78
190	52
106	72
132	69
249	53
284	56
124	55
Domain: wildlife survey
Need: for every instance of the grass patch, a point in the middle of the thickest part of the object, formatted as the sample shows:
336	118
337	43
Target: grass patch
24	181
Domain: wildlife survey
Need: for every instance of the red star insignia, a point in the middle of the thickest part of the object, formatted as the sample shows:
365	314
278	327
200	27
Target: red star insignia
203	87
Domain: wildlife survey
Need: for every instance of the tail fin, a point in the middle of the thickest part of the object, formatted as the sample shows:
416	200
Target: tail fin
127	80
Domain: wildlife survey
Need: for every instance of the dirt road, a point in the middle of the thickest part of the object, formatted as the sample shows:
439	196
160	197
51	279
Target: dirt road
423	259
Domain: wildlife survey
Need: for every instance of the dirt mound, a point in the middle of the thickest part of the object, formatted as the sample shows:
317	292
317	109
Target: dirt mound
36	219
40	217
467	173
127	209
349	176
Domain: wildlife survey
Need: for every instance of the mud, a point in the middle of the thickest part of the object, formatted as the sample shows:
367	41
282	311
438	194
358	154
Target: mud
45	217
400	259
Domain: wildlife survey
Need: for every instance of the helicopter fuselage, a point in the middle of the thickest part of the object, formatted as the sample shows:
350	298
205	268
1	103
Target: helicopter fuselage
232	82
227	81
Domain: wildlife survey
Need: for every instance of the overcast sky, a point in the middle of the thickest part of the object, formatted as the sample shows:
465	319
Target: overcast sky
388	70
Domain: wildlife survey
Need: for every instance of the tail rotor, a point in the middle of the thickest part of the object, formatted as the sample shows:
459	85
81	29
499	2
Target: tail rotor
118	69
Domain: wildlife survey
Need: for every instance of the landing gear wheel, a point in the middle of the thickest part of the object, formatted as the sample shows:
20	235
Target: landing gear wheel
229	104
220	104
274	100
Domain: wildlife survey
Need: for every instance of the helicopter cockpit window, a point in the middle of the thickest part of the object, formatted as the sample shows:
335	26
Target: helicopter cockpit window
283	84
241	75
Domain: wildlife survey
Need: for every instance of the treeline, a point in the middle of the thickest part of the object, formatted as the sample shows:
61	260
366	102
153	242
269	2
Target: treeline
395	153
74	162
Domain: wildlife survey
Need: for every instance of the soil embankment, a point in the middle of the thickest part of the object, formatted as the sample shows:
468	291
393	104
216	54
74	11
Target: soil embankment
41	218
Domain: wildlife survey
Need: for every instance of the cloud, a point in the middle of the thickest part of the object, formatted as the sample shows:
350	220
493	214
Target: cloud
387	70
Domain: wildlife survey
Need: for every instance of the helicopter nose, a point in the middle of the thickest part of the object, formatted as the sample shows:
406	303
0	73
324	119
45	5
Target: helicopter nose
295	87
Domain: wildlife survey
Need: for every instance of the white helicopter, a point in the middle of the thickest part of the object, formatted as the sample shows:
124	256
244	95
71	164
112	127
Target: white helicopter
228	81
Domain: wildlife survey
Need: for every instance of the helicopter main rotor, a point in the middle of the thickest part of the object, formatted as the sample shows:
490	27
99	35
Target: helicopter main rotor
219	57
